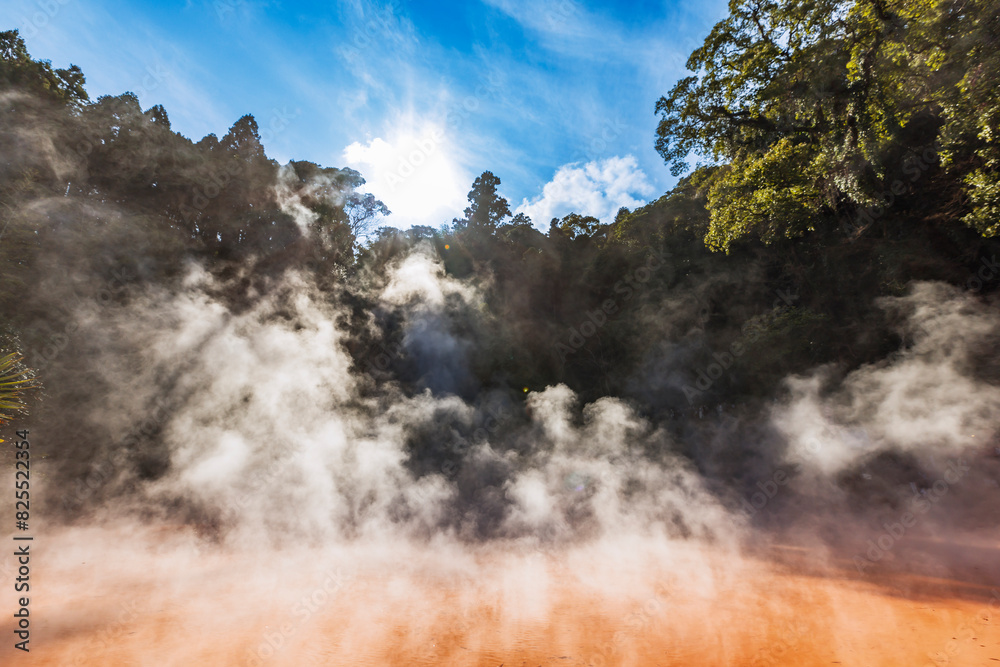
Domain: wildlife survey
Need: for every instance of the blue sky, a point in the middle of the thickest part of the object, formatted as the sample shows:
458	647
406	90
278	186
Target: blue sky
556	98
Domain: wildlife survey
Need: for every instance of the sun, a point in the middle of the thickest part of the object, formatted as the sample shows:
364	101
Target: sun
414	173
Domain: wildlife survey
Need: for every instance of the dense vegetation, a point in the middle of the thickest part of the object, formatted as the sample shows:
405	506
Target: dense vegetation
848	148
819	112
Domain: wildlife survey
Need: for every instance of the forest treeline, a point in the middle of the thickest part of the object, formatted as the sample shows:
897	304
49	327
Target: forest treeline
842	150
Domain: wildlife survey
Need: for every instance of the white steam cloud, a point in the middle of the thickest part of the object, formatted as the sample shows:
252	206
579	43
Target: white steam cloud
926	400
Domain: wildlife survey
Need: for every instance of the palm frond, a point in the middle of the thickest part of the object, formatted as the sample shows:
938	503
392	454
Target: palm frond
15	380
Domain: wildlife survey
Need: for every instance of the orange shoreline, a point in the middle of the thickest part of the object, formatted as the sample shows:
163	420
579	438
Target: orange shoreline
180	604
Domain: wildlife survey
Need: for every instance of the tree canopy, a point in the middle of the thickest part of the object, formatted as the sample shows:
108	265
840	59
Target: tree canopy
845	149
487	209
18	69
807	108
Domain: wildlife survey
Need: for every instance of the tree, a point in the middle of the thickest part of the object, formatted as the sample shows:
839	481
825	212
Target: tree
575	225
487	209
808	105
521	220
970	138
363	211
337	213
243	139
18	69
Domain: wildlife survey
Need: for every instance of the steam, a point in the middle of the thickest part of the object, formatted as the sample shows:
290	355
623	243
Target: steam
936	397
244	414
267	427
268	436
291	194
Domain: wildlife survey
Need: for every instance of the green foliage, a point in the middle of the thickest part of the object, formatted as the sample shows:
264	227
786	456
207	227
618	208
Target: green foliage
984	195
774	194
19	70
338	214
243	139
807	116
970	138
680	214
487	209
15	381
575	225
813	101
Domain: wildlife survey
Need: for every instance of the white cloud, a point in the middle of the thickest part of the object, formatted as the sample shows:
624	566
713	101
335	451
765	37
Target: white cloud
597	188
414	173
